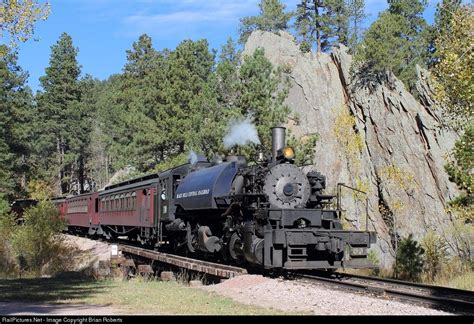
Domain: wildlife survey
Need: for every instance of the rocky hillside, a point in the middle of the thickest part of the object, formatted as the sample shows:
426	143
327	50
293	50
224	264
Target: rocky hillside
380	140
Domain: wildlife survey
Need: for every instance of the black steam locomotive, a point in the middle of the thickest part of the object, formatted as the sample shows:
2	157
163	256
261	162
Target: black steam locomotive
267	214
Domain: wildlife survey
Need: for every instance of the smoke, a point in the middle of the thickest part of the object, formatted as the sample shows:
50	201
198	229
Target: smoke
241	132
192	157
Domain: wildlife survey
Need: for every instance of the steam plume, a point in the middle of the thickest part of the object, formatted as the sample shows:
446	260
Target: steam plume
192	157
241	132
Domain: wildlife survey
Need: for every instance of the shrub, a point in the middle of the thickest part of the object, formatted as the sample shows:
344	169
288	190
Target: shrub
435	254
39	242
409	263
7	223
373	257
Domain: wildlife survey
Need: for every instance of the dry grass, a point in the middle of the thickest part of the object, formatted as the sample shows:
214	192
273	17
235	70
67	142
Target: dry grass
462	281
454	274
129	297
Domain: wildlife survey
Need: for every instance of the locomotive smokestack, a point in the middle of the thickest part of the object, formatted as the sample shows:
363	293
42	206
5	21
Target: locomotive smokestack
278	140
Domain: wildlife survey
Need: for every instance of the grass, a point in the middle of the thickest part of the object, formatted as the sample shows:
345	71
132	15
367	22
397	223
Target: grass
461	281
129	297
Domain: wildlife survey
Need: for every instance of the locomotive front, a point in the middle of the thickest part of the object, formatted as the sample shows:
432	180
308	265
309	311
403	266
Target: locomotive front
269	214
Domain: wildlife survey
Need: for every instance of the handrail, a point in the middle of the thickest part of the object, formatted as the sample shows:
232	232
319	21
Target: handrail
339	187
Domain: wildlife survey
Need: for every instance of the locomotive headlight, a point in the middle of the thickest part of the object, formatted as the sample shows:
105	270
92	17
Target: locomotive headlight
288	153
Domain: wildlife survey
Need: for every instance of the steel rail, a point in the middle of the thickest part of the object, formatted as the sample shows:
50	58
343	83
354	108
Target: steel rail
457	300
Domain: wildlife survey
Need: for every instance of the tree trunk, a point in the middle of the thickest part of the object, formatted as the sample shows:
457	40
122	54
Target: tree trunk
318	25
80	174
60	176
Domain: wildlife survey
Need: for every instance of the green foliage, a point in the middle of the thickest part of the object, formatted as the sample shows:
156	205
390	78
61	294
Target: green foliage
460	170
396	42
435	254
7	224
272	18
339	21
164	104
409	263
261	95
17	19
374	258
171	163
454	63
64	118
356	14
168	103
16	113
328	23
304	148
38	241
313	24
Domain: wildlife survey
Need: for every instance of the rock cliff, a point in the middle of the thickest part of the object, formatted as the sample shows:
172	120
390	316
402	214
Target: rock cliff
380	140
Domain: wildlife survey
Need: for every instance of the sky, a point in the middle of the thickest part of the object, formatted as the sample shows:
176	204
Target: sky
104	29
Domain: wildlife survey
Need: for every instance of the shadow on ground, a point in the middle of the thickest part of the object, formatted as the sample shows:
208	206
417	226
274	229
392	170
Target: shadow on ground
48	290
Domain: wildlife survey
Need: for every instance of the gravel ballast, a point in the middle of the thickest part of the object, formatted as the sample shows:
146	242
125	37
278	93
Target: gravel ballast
310	298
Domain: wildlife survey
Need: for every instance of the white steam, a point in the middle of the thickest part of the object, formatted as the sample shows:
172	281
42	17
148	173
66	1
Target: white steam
192	157
241	132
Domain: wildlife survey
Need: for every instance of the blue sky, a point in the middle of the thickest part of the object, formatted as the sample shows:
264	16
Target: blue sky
104	29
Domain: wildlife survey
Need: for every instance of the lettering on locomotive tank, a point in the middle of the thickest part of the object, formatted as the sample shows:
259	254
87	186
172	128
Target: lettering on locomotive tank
193	193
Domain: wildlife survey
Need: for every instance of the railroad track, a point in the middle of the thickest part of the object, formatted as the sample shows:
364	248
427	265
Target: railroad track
450	299
215	269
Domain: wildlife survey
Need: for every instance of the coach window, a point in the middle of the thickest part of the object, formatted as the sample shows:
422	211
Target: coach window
122	202
134	199
127	201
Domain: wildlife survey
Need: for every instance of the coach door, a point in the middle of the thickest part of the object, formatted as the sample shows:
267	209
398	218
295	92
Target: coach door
163	199
145	206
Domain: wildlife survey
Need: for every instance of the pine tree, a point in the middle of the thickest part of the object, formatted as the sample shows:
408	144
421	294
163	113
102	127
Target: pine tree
16	113
272	18
338	12
409	259
356	13
460	172
191	95
395	42
140	101
262	94
57	107
227	74
84	117
303	25
318	21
